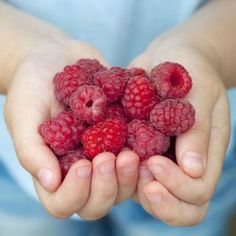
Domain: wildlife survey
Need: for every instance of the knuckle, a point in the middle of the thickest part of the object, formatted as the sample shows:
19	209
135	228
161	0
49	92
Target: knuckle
205	193
57	213
108	197
56	209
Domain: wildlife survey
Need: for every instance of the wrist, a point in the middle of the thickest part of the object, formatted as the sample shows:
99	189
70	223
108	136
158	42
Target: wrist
17	51
183	48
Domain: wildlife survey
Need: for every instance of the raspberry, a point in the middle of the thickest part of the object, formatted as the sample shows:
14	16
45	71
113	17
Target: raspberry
67	82
173	116
69	159
109	135
91	66
115	110
113	82
88	103
135	71
62	133
145	140
139	98
171	80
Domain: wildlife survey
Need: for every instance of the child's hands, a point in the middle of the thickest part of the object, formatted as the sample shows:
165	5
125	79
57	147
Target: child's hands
179	194
89	189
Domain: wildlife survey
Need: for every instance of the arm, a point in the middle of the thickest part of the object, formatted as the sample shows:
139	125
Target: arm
19	33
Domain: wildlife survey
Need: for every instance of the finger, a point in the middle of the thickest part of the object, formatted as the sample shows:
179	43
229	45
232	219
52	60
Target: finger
33	154
192	190
127	174
169	209
72	193
219	139
104	188
192	146
145	177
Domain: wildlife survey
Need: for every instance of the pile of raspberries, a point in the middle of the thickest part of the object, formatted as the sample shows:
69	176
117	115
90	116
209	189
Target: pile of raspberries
107	109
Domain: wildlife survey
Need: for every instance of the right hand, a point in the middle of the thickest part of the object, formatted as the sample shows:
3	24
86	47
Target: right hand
31	101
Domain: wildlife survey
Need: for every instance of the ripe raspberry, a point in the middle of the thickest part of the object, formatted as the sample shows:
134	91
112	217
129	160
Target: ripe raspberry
145	140
88	103
91	66
62	133
171	80
109	135
113	82
67	82
173	116
116	110
69	159
139	98
135	71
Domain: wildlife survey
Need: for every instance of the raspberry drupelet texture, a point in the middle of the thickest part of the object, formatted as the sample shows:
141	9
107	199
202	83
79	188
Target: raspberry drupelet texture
91	66
62	133
69	159
145	140
139	98
135	71
173	116
113	82
68	81
88	103
109	135
116	110
171	80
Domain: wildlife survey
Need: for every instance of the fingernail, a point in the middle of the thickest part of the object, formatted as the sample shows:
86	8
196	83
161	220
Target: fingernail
155	198
106	168
157	169
83	171
145	173
45	176
129	170
192	160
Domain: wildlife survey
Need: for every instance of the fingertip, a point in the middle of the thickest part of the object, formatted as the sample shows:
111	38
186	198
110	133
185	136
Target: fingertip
193	163
127	157
104	164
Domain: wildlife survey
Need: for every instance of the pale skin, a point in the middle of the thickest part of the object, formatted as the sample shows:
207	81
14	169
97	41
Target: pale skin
32	51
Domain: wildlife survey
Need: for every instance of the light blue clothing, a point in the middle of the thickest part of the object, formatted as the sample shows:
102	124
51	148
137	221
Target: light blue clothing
120	30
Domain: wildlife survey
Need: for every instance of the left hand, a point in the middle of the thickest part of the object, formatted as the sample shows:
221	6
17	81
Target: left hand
179	194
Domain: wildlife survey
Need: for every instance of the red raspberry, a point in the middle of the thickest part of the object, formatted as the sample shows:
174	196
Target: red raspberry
139	98
109	135
67	82
113	82
135	71
171	80
173	116
62	133
69	159
88	103
116	110
91	66
145	140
